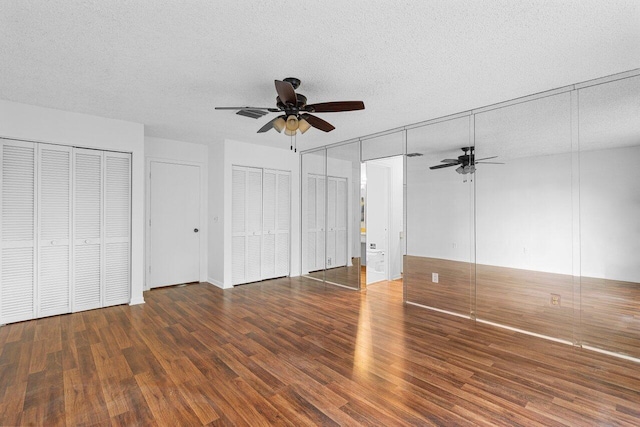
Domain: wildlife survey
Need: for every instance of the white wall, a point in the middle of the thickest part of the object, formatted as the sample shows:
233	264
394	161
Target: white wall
610	214
180	152
32	123
243	154
525	217
439	211
524	214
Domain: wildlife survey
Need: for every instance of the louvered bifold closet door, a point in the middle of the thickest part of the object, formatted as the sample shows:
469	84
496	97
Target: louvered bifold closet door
320	222
312	218
331	222
17	231
341	222
88	219
269	184
283	223
238	225
254	224
54	230
117	214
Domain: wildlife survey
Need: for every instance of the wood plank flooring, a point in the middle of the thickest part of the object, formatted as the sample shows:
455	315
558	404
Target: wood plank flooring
299	352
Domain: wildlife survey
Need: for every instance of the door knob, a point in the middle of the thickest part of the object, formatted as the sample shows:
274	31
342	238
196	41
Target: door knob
195	230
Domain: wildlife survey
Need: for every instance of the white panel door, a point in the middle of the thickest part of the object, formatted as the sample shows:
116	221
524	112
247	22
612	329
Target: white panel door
174	224
88	227
377	217
17	231
117	226
54	230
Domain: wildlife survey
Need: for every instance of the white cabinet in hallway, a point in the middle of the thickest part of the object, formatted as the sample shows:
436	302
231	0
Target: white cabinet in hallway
65	231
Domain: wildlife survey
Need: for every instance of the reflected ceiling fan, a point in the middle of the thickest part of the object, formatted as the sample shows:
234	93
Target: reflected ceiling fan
296	112
467	162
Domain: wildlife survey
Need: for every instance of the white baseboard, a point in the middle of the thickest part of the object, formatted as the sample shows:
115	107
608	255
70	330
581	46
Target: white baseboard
216	283
136	301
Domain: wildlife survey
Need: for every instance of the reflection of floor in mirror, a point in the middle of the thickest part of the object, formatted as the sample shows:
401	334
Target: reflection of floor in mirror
598	312
363	279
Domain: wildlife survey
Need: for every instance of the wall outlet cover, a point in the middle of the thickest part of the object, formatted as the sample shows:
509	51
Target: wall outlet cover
434	277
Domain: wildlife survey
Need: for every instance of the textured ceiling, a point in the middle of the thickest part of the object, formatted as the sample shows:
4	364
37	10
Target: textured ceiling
167	64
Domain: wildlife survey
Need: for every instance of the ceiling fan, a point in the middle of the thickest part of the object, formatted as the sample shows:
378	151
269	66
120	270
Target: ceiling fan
467	162
296	112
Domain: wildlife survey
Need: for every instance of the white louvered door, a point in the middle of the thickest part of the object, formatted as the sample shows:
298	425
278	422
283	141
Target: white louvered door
238	225
261	216
269	191
17	233
341	222
117	238
283	223
316	222
54	230
88	219
65	229
276	194
254	225
331	222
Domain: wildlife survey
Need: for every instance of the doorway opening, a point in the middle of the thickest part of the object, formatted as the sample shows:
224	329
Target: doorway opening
382	220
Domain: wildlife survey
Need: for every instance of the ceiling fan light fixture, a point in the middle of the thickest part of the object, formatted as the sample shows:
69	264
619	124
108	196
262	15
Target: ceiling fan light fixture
289	132
303	125
279	124
292	123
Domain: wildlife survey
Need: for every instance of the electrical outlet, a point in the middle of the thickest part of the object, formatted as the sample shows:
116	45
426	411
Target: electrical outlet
555	300
434	277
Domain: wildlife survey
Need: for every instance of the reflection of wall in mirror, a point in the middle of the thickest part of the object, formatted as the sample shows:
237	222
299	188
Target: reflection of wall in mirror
524	215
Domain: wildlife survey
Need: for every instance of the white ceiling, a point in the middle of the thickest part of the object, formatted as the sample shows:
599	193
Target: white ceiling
167	64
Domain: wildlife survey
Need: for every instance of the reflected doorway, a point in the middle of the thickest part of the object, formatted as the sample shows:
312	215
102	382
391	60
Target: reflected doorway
382	228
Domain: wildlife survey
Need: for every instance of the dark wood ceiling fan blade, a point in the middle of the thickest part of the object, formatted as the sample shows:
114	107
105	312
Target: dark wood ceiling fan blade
335	107
450	161
270	109
446	165
286	92
491	163
486	158
268	126
318	123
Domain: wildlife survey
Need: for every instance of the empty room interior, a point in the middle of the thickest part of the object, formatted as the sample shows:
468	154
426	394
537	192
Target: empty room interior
327	213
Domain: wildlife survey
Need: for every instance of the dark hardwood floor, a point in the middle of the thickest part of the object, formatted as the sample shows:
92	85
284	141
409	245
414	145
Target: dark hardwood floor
299	352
